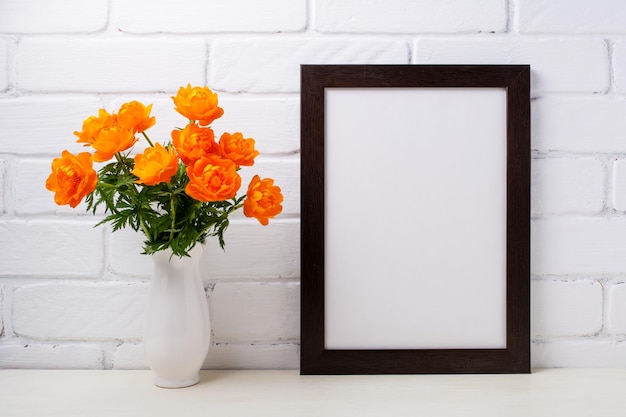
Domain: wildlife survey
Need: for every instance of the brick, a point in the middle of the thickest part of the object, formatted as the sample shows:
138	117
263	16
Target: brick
557	65
41	16
4	58
578	353
410	16
28	190
51	356
191	16
41	125
1	310
578	245
3	186
617	308
80	311
273	122
43	248
590	124
125	254
619	66
270	312
130	356
222	356
567	186
564	16
232	60
109	65
619	184
252	252
565	308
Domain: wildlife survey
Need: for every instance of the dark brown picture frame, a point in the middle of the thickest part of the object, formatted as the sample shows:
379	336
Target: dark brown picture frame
315	357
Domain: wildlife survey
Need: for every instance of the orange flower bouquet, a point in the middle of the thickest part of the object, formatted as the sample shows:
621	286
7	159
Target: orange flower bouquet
177	193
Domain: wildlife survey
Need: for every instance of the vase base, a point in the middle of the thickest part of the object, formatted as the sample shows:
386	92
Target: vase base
176	382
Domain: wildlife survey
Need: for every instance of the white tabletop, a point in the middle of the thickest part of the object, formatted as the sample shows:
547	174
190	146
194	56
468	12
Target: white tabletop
549	393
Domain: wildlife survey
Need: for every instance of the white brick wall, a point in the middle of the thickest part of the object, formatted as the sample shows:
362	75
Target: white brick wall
1	310
192	16
567	185
565	16
114	65
79	311
3	164
26	193
277	120
4	55
619	65
617	308
46	123
619	184
402	16
572	245
255	312
42	16
71	296
598	352
51	356
579	124
276	62
566	308
558	64
42	247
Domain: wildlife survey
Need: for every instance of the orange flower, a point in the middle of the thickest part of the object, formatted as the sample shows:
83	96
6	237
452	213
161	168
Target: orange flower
137	116
111	140
212	178
93	125
72	178
106	135
198	103
238	149
194	142
263	200
155	165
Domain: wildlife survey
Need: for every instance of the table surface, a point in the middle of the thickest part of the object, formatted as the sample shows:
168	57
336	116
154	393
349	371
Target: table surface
546	392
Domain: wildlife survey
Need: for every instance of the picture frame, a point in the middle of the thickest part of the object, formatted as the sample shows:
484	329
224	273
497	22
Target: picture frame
415	219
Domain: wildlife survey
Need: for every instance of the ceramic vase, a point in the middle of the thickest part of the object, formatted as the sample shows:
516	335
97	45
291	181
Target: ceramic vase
177	331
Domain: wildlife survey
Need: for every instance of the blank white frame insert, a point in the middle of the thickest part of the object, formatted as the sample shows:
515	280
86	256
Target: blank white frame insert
415	218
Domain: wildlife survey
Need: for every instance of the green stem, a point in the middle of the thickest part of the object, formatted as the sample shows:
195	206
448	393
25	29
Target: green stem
142	222
173	212
118	156
147	138
238	206
106	185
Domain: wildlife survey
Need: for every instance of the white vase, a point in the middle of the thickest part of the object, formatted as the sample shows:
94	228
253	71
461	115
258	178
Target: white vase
177	331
